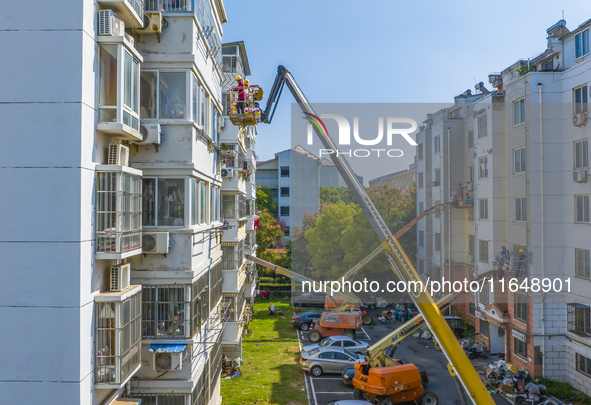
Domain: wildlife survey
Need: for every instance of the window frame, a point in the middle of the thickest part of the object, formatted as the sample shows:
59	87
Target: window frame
584	218
437	177
186	200
520	348
583	151
483	170
520	202
578	319
420	151
471	174
519	167
437	144
483	209
420	181
580	102
519	111
582	44
421	238
482	251
437	241
281	211
521	307
583	365
482	126
471	144
583	263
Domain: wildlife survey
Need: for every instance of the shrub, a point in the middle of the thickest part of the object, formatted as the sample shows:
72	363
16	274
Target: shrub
269	280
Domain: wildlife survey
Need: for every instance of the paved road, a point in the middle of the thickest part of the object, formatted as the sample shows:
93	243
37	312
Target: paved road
328	388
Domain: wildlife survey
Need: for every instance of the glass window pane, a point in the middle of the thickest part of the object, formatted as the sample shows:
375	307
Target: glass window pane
203	206
195	98
202	107
149	202
171	202
149	95
134	84
173	95
127	80
193	202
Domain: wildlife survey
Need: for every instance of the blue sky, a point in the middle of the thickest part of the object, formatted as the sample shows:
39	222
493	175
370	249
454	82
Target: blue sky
386	51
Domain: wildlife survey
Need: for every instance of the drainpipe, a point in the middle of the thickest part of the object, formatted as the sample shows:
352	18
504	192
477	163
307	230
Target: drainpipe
448	199
542	230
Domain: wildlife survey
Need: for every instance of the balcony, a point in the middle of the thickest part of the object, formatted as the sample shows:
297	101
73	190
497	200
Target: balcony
130	11
118	212
117	337
170	5
233	280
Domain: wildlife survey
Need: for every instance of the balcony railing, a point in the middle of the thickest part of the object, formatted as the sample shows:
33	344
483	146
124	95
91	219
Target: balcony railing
138	6
170	5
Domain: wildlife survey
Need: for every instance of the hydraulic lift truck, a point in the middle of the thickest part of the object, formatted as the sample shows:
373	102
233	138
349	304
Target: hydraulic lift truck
383	378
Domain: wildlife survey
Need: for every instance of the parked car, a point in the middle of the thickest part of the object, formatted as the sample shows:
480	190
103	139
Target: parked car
349	373
304	320
328	360
310	299
346	342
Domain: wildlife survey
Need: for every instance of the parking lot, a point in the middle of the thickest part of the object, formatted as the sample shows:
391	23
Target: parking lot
329	387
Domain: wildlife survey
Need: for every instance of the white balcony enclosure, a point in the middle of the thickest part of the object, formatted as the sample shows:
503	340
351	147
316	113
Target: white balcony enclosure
117	336
118	208
130	11
119	79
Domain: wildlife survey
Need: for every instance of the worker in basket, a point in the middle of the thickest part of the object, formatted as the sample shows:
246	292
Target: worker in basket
241	95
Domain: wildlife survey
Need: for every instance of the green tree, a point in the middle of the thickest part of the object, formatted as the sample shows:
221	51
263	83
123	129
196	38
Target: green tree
346	195
264	200
324	240
329	195
269	236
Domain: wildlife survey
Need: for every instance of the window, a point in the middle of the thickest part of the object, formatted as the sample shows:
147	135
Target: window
160	399
284	171
422	238
421	181
483	208
519	111
225	104
485	328
233	206
285	211
471	244
204	105
203	202
581	44
117	339
198	202
578	317
115	58
233	256
170	95
482	128
471	173
437	144
483	167
519	160
521	305
420	151
584	364
472	310
284	191
165	311
580	99
582	257
484	295
483	251
118	212
437	214
520	209
470	139
520	348
437	175
582	208
165	198
421	207
581	157
286	231
438	242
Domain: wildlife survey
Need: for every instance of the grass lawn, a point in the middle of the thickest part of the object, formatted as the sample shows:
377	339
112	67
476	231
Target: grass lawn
271	373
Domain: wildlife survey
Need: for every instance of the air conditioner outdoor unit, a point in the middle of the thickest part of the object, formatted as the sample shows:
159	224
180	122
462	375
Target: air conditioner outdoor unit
120	277
152	23
151	133
470	257
227	173
168	361
580	119
155	242
110	24
580	176
118	155
221	123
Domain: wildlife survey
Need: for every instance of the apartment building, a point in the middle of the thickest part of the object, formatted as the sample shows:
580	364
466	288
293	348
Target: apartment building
403	179
523	150
238	194
119	147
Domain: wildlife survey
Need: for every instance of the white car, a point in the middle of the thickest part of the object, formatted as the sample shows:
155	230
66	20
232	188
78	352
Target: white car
346	342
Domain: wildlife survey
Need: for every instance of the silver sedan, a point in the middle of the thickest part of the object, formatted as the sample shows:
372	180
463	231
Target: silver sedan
345	342
328	360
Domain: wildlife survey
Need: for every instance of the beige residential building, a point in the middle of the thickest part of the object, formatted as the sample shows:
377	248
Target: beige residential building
402	179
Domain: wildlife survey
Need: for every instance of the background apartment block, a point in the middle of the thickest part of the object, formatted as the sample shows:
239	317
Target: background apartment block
403	179
524	149
126	279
